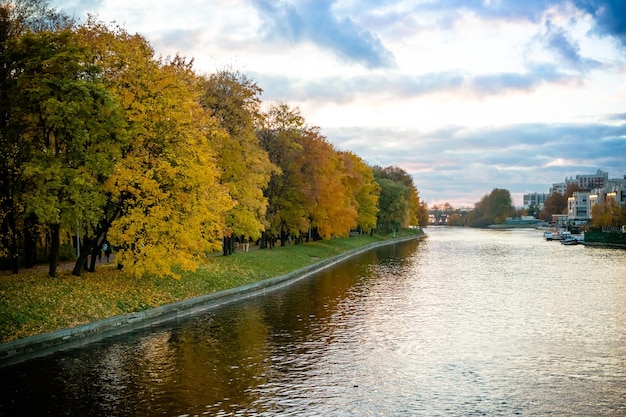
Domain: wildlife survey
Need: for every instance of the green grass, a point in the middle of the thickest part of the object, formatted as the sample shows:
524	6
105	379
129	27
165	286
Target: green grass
32	303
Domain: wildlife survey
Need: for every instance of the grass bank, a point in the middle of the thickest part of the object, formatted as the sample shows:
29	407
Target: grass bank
32	303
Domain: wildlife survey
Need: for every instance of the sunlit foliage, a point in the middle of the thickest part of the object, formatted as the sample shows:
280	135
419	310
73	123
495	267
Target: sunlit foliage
234	102
103	142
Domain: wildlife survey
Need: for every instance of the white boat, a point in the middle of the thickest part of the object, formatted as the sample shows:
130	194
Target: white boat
569	240
561	234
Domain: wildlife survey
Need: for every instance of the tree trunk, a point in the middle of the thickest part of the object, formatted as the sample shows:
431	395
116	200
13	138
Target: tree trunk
8	232
30	241
81	261
96	252
15	264
226	246
55	244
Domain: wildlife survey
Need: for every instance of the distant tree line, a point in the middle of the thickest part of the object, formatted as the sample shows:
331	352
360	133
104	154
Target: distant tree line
103	141
493	208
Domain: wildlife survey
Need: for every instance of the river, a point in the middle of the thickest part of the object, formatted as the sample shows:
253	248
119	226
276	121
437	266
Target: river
463	323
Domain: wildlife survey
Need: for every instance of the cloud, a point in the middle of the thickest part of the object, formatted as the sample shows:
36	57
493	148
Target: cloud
558	41
178	39
314	21
609	15
350	88
448	76
394	86
457	164
535	76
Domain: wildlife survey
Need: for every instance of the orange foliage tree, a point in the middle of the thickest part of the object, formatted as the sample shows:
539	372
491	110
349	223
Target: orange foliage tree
359	178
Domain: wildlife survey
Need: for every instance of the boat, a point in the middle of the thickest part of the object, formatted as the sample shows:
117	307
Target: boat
569	240
557	235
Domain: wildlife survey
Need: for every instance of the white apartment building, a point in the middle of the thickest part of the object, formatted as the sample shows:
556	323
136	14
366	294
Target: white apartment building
579	206
537	199
614	190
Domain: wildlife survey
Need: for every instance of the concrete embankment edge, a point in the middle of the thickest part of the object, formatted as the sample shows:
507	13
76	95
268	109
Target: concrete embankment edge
44	344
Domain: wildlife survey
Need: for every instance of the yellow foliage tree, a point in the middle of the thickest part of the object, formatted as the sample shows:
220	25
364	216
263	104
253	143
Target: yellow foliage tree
166	183
233	101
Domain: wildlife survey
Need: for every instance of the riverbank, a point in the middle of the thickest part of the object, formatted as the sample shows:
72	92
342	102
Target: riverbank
106	303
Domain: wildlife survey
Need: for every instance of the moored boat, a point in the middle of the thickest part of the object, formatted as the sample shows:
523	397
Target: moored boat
569	240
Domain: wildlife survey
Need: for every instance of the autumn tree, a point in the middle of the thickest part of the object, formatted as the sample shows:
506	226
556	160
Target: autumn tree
165	207
608	213
174	207
287	212
331	203
319	192
359	177
233	100
493	208
554	204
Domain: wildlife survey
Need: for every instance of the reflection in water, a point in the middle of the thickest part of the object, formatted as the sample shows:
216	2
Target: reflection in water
466	322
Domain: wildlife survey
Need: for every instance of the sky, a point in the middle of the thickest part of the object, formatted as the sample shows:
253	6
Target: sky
466	96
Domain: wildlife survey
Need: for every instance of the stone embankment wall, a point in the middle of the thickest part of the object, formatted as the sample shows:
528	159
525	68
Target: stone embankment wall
44	344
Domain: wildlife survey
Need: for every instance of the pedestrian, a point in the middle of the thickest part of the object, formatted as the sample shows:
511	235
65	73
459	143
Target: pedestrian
107	250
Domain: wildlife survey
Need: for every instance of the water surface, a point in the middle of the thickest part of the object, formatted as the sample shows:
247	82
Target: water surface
466	322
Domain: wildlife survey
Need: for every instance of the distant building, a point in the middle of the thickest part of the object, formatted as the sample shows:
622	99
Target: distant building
595	188
537	199
614	191
589	181
558	187
579	206
617	186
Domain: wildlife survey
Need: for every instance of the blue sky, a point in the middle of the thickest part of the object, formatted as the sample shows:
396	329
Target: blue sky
466	96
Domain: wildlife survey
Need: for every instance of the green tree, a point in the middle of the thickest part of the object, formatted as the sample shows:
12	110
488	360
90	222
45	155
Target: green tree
279	135
533	210
422	216
493	208
69	125
17	17
398	205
